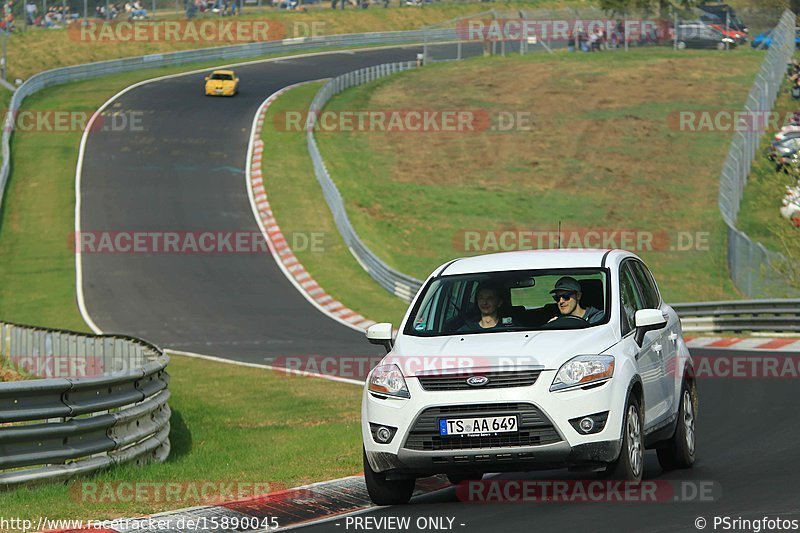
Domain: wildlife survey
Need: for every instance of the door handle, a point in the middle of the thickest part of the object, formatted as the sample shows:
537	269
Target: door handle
673	337
657	348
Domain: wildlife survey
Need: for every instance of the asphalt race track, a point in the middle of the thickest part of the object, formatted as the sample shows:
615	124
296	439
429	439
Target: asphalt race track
185	172
746	448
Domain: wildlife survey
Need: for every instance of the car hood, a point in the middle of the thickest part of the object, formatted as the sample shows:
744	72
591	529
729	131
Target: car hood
548	349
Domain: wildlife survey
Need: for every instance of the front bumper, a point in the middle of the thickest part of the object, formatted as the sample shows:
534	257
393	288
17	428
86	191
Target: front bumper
548	456
556	444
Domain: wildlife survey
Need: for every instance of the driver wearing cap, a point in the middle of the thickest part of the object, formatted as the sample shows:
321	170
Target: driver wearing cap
567	294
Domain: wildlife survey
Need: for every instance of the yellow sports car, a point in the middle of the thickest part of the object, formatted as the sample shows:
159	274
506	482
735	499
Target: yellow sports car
222	83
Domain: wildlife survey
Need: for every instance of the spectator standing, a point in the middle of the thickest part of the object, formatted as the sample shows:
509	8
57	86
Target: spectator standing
30	13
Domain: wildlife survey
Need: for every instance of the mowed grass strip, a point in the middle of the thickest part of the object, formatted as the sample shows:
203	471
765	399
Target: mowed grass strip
605	153
230	425
305	219
759	216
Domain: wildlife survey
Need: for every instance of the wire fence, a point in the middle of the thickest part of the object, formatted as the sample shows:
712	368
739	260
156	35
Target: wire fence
756	271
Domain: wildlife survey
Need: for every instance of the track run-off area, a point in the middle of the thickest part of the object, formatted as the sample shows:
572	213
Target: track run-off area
184	171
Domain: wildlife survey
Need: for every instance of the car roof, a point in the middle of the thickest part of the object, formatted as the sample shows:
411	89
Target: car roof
222	72
533	259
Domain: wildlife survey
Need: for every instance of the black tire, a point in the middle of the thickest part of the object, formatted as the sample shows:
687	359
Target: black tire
455	479
678	451
630	463
384	492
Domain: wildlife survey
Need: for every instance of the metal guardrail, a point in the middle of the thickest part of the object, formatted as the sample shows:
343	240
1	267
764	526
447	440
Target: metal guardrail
61	75
740	316
755	270
99	400
397	283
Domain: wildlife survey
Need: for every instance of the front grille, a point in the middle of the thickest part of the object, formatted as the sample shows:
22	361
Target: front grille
534	428
497	380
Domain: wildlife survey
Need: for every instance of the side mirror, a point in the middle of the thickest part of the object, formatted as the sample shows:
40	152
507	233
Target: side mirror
208	78
380	334
647	320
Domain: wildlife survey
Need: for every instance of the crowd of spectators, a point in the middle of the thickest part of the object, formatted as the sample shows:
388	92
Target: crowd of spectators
222	8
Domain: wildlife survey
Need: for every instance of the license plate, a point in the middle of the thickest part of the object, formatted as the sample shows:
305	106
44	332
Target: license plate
489	425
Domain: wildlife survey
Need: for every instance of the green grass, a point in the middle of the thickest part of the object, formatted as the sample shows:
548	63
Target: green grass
759	217
229	424
300	209
602	155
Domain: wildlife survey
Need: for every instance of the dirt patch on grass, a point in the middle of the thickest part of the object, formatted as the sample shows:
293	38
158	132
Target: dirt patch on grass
565	149
9	374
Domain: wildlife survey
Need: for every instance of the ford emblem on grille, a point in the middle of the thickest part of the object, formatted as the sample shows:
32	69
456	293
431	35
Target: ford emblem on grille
477	381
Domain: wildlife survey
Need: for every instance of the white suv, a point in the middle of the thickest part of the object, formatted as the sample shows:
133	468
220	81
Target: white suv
488	373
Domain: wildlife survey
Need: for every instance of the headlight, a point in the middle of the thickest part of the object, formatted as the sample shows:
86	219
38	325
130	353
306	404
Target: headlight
583	369
388	379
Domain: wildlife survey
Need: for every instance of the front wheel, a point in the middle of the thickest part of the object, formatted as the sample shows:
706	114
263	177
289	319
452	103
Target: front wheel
679	450
630	463
386	492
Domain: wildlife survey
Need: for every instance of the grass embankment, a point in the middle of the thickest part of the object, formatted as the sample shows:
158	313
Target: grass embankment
283	432
605	152
299	207
759	216
36	50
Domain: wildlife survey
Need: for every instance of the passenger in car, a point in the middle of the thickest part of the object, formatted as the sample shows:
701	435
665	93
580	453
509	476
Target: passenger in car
567	294
488	299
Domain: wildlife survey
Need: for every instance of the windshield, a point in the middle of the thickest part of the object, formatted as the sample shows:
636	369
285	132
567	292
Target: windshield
218	76
511	301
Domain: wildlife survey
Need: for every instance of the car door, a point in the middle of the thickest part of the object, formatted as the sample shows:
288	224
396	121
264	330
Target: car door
649	357
668	336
